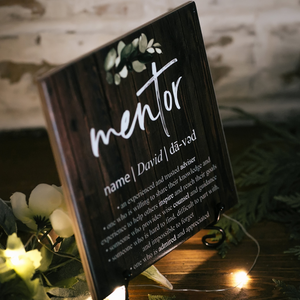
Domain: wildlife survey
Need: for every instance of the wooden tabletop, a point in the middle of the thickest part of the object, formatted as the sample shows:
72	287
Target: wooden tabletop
26	160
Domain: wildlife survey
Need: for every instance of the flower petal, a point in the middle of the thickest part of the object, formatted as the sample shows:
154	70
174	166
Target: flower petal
35	256
44	199
20	207
14	246
153	273
61	223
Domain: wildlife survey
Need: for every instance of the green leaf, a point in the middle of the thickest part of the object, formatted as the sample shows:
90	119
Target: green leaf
7	219
47	257
124	72
120	47
109	78
110	59
15	289
69	246
150	43
150	50
145	58
143	43
295	250
135	43
127	50
66	283
6	273
117	79
138	67
289	290
291	200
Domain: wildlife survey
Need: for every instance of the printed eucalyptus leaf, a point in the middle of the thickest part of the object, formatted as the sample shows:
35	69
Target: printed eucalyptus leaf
117	61
150	43
121	65
117	79
143	42
157	45
109	78
124	72
120	47
127	50
135	43
158	50
7	218
145	58
110	59
150	50
138	67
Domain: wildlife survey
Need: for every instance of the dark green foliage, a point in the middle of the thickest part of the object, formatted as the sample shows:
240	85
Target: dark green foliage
15	289
7	219
267	177
290	291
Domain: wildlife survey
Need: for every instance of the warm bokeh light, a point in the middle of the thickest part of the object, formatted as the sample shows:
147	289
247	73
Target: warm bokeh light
118	294
13	255
241	278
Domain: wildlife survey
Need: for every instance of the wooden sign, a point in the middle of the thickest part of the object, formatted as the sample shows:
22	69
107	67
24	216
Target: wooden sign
139	145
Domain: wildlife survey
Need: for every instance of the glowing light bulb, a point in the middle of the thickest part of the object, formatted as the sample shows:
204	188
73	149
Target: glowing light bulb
241	279
13	256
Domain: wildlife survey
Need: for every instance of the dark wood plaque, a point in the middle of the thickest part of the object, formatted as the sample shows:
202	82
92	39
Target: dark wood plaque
139	145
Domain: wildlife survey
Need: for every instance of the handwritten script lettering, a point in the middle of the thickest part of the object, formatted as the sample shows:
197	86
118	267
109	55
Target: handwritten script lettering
126	129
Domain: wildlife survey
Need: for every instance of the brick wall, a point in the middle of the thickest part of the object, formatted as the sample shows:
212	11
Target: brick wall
253	48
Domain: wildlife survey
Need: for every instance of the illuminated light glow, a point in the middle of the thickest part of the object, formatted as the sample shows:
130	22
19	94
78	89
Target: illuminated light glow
13	256
241	278
118	294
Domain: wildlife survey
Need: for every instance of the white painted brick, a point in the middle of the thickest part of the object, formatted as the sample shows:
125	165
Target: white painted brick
254	43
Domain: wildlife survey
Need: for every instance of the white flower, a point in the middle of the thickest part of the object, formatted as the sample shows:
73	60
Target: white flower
46	204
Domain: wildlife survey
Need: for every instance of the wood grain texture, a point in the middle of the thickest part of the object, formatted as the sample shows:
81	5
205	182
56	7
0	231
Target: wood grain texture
119	229
27	160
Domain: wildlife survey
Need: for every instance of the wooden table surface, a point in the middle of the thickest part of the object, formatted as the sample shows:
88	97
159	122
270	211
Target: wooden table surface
26	160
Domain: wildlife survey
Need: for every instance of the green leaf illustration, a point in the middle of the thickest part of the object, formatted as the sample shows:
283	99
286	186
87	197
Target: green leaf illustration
131	57
138	67
150	50
120	47
124	72
110	59
127	50
143	42
135	43
145	58
117	79
109	78
150	43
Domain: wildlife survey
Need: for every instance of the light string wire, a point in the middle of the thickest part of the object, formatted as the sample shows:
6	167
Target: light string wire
214	290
